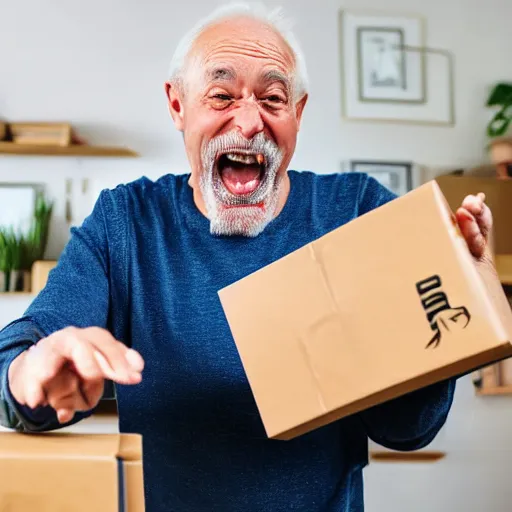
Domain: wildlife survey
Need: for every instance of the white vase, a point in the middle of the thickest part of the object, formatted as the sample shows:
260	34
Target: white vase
13	280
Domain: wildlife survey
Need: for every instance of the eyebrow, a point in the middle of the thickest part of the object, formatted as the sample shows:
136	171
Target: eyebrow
277	76
228	74
222	74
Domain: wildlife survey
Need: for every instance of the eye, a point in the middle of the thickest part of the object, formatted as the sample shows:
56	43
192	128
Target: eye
223	97
274	101
220	100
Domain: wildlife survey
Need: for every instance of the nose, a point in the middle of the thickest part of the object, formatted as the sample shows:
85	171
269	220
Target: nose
248	119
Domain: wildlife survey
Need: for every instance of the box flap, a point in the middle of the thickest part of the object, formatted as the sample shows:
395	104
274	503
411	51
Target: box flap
54	444
130	447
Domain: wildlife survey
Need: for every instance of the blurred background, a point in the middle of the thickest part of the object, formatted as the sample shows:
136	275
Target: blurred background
406	90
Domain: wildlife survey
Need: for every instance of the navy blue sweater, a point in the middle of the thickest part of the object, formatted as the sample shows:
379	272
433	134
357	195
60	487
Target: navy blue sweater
145	266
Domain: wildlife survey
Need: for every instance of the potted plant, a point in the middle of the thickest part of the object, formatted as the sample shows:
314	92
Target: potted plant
501	96
5	264
14	244
32	246
9	258
501	145
19	251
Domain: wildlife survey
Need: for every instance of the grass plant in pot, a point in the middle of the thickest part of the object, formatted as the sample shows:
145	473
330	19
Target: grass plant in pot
7	246
19	251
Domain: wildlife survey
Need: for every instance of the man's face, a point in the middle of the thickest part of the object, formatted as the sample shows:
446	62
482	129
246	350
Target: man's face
240	119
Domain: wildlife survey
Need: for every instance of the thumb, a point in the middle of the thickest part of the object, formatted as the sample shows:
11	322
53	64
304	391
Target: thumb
472	233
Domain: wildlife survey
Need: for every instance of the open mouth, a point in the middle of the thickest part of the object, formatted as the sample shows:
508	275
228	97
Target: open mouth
241	173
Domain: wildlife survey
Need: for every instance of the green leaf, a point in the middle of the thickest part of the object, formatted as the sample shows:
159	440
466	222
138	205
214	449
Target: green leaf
500	95
498	125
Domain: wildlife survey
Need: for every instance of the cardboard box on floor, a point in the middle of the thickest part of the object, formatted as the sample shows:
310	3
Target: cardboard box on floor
71	472
389	303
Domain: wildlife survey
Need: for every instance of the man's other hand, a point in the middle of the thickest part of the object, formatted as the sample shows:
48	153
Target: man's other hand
67	370
475	222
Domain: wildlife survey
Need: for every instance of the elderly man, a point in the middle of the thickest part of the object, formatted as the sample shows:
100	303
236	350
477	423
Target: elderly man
137	287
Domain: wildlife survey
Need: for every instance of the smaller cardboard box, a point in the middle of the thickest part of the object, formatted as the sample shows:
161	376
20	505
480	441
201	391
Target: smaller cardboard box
54	472
386	304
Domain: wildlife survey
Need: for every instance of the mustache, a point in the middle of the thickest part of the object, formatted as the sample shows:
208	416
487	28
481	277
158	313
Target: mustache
234	141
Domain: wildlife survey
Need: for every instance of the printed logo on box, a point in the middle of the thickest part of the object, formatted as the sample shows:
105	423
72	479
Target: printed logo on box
442	317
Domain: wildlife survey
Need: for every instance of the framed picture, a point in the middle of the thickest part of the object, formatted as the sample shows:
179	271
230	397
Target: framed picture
17	205
388	73
395	176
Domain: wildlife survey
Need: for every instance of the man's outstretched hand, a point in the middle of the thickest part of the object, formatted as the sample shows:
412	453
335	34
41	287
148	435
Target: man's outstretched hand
67	370
475	222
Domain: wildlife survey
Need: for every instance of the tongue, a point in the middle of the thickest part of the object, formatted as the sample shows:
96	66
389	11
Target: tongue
241	180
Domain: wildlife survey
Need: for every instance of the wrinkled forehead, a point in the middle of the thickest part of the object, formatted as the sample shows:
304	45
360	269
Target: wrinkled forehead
241	46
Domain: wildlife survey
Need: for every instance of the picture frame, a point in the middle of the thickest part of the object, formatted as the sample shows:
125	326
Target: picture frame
386	71
395	176
408	82
17	205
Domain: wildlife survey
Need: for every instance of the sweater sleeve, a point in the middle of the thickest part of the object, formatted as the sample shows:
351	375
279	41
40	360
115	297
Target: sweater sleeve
76	294
412	421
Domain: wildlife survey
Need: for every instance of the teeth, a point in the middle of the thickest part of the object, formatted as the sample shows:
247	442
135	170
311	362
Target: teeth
251	184
244	159
260	158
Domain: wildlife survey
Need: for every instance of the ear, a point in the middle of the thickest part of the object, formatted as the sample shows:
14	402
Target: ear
175	104
299	108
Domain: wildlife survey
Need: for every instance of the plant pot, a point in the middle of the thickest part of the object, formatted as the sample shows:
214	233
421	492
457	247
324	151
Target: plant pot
501	150
13	280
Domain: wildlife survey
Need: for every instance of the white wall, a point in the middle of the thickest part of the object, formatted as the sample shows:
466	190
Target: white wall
101	65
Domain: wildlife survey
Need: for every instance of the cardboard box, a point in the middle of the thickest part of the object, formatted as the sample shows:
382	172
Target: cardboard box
389	303
42	134
498	196
53	472
40	271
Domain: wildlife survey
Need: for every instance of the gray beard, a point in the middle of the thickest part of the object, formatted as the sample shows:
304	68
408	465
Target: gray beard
246	215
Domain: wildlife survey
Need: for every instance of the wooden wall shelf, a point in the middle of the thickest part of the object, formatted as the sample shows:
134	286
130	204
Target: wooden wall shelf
495	391
10	148
15	294
419	456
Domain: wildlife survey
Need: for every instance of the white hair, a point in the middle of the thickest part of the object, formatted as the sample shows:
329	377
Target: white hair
274	18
